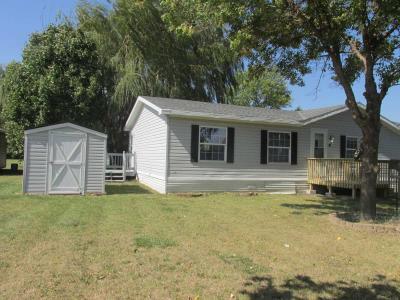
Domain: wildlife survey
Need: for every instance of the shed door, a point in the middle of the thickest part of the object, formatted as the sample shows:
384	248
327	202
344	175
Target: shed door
67	163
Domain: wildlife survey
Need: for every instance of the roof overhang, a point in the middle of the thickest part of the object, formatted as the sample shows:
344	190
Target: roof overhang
140	102
220	117
63	125
385	121
133	116
137	108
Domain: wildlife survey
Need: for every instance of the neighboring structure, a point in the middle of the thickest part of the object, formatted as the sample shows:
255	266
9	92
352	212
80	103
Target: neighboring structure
186	146
3	149
64	159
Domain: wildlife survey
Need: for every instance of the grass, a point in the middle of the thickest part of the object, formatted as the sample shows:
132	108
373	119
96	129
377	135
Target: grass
152	242
133	243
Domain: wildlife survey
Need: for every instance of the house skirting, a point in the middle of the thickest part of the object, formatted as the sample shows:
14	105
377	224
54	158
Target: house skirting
279	185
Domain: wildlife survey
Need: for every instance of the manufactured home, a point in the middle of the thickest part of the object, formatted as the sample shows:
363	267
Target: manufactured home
188	146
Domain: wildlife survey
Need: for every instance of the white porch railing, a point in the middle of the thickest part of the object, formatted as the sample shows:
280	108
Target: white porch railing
119	165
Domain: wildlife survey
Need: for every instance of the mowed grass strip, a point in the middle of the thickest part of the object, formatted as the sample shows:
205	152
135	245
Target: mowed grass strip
151	242
132	243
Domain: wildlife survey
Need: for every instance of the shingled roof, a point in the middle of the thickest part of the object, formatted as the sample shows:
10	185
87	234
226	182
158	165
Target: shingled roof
180	106
198	109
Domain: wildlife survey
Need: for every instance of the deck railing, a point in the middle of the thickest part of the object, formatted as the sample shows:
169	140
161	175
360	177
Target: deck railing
120	161
119	166
344	173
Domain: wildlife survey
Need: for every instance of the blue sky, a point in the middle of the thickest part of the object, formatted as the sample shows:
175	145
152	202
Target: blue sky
19	18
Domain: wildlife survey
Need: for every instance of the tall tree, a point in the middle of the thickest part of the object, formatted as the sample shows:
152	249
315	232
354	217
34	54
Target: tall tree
59	79
144	57
355	39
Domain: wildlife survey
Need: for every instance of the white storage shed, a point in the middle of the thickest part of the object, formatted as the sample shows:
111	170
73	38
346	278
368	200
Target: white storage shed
64	159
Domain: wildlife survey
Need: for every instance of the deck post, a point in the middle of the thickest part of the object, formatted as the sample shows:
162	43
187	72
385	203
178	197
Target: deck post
124	165
329	193
310	189
354	193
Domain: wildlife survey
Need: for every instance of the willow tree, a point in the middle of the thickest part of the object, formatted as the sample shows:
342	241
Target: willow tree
144	57
354	39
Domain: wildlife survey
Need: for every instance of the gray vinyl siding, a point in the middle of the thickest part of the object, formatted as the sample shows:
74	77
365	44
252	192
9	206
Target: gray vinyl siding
35	164
149	145
343	124
3	149
36	161
247	173
95	164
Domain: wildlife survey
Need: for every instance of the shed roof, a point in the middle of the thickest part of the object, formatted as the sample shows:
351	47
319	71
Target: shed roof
63	125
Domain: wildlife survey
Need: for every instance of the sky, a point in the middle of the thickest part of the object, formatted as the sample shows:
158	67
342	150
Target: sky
20	18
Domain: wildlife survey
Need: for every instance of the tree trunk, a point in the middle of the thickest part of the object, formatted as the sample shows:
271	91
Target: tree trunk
369	170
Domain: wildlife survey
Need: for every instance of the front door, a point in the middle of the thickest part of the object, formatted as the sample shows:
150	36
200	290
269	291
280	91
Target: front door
67	163
318	143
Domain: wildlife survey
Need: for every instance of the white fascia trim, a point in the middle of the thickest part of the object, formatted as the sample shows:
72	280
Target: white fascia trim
140	101
57	126
390	124
219	117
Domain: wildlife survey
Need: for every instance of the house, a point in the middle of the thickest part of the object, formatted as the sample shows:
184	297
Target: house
187	146
3	149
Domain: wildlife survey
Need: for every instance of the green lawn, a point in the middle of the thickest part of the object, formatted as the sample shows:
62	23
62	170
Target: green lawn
136	244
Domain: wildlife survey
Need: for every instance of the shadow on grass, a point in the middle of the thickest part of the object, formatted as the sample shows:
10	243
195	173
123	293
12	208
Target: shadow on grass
321	206
8	172
343	206
119	189
263	287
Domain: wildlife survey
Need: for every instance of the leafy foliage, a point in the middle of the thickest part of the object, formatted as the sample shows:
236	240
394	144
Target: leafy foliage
144	57
59	79
267	90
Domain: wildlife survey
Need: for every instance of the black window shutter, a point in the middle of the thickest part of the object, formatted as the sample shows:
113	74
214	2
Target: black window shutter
294	148
342	146
264	147
231	145
194	146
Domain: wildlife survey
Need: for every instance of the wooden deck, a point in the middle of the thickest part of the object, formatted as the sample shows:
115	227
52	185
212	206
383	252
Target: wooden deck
346	173
119	166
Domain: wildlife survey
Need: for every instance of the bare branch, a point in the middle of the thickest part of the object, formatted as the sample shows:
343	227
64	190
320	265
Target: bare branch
357	52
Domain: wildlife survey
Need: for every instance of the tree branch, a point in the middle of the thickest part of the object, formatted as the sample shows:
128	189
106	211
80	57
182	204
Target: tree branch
334	54
354	48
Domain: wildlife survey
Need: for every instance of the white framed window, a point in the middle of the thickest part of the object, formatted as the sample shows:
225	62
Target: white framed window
212	143
279	147
351	146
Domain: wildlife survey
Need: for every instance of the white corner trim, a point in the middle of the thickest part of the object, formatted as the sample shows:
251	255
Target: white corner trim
140	101
168	132
25	168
